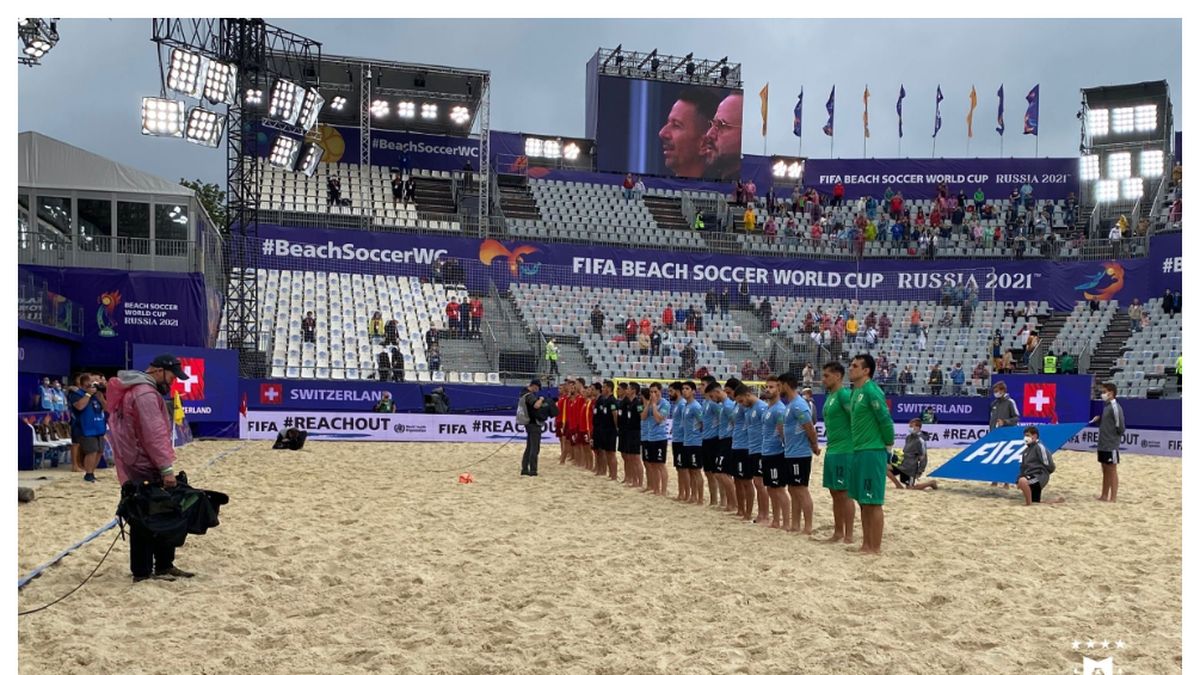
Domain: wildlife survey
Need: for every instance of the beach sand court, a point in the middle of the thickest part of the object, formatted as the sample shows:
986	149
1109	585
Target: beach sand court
370	557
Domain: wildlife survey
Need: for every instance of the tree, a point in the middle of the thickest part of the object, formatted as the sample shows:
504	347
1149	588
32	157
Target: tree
212	198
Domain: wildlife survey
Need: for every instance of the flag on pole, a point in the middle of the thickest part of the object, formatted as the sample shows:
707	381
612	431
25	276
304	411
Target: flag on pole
828	128
866	128
1000	112
763	95
900	111
1031	113
971	114
797	112
937	112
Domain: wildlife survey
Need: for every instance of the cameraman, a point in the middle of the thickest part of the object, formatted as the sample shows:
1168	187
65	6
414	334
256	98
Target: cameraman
88	424
533	431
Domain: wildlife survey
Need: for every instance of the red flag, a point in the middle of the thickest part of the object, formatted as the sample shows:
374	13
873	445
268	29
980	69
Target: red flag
242	411
192	388
1041	401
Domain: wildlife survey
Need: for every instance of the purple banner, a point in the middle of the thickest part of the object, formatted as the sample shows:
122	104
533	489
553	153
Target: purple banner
281	394
121	308
1060	284
1051	178
1167	251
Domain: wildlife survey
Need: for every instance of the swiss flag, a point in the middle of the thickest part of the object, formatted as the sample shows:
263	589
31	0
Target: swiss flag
270	393
1041	401
191	389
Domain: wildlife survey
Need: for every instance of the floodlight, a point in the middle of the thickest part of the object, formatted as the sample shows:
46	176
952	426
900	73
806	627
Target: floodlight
551	149
428	111
1150	164
310	108
162	117
185	74
283	152
406	110
1107	190
779	169
795	170
254	96
1119	165
220	83
1122	120
533	147
204	127
1145	118
1089	167
571	151
1131	189
338	102
177	216
1097	122
38	36
285	101
459	114
380	108
310	158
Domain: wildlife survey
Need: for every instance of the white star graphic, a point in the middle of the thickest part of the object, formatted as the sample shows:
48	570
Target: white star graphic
1075	645
1091	644
1121	644
1104	644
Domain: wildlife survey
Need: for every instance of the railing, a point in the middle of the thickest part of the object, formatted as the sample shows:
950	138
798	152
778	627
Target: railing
688	209
35	303
130	253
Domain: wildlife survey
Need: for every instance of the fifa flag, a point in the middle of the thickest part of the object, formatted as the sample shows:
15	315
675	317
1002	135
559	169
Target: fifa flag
866	128
763	95
997	456
828	128
937	112
1031	113
971	113
797	112
1000	111
900	112
1041	401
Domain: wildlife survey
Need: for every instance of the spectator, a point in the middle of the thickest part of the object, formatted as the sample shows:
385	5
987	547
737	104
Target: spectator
1072	210
552	355
1114	238
391	333
476	316
639	189
764	370
645	327
980	374
643	342
631	329
142	450
434	356
655	342
852	329
945	321
724	301
698	321
333	191
806	376
914	322
979	200
1031	344
747	369
698	223
897	205
958	378
770	229
308	328
453	309
887	379
667	342
1094	305
1067	365
839	194
668	316
882	361
431	338
397	188
743	295
710	302
906	379
997	344
597	320
1135	315
397	365
627	186
885	326
739	193
1007	364
1168	303
375	328
1145	321
816	230
871	337
751	191
386	404
687	359
88	421
749	219
689	324
922	337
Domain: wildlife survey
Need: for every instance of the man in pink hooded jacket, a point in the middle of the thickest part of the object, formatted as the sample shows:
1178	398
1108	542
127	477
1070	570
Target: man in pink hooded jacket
141	438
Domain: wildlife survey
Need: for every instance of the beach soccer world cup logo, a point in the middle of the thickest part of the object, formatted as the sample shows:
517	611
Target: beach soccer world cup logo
492	249
1104	285
106	319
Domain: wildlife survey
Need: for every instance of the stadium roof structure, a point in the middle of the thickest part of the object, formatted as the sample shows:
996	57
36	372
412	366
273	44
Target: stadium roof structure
48	163
394	82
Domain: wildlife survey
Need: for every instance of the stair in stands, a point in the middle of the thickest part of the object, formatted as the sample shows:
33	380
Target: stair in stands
463	355
434	195
667	212
516	201
760	342
1111	346
1047	330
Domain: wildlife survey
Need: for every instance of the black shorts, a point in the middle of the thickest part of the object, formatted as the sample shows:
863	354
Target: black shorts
1108	456
755	460
708	456
905	479
90	444
654	452
631	444
693	456
605	440
1035	489
798	470
723	456
774	470
741	463
677	454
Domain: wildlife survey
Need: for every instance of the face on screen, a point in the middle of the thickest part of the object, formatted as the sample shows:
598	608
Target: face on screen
683	140
723	141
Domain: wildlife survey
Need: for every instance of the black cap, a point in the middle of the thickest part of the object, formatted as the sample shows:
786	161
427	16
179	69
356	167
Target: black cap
169	362
535	383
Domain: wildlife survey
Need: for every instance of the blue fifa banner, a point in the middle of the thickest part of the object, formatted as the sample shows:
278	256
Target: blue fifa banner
507	262
361	396
1049	399
997	456
209	394
1051	178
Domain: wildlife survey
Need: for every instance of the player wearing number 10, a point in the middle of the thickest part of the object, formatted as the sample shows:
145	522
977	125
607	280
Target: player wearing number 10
872	433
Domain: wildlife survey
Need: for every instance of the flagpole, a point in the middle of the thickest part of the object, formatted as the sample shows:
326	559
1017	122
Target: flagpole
934	153
830	146
968	146
1001	145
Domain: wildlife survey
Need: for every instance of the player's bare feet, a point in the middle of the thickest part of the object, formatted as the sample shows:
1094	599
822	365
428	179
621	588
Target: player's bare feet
831	540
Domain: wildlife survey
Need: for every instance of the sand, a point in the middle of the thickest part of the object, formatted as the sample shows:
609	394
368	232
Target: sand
360	557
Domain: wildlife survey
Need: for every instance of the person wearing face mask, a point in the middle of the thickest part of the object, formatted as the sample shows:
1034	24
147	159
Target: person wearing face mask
141	438
913	460
1037	464
1108	446
1003	413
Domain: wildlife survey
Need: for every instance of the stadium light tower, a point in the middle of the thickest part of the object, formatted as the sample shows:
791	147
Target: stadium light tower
38	37
1125	151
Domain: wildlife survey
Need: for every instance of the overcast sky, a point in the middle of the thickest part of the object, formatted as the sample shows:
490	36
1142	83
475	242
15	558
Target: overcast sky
88	90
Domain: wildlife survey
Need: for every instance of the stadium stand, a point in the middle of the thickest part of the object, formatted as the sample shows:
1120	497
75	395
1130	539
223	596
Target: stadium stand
1147	363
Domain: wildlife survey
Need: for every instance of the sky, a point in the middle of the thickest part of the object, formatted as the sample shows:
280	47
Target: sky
88	90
